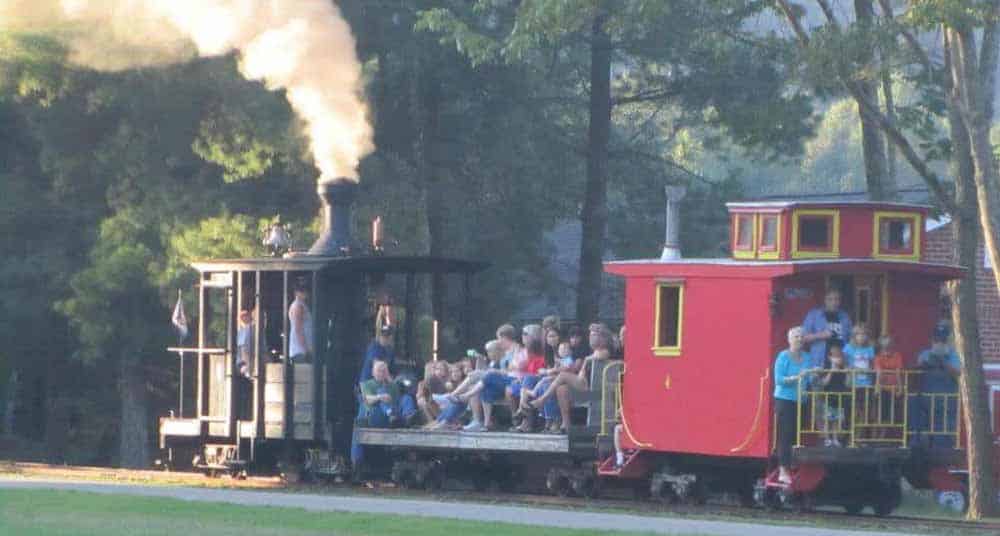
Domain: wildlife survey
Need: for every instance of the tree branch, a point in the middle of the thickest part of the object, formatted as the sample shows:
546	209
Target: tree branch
989	49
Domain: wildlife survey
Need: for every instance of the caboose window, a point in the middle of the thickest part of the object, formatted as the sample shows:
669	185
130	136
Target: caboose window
768	233
815	232
744	231
669	306
896	235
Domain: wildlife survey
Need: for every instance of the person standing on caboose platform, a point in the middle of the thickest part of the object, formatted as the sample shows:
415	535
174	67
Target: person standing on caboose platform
822	324
936	410
790	368
300	345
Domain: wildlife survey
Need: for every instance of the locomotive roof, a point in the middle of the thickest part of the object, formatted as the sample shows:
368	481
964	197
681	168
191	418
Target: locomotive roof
366	264
821	203
771	268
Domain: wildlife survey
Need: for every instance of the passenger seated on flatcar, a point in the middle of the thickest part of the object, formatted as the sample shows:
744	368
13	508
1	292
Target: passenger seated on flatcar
564	363
456	375
466	394
435	382
577	343
525	367
507	336
934	413
384	404
566	383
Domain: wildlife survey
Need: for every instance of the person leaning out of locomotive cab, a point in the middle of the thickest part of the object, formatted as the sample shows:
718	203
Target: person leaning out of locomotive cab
937	411
834	384
381	348
790	368
434	383
861	356
384	404
822	324
300	345
888	384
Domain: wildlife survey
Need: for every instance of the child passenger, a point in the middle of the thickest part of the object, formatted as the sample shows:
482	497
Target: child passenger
861	356
835	387
889	384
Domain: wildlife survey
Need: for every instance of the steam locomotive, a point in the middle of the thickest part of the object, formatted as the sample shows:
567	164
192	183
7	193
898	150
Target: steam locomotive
691	401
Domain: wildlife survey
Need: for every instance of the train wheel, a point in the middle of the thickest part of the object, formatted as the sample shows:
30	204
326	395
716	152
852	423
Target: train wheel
854	507
558	483
888	499
585	487
663	492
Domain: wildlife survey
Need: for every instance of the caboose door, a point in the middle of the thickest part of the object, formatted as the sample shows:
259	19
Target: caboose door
863	298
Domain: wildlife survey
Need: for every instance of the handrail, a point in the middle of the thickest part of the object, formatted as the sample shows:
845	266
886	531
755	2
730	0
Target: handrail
180	350
875	414
761	402
604	394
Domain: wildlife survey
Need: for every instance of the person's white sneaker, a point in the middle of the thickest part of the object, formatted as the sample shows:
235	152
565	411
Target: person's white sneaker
836	442
474	426
827	442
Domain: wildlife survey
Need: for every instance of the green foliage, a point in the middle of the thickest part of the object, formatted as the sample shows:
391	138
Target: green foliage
31	67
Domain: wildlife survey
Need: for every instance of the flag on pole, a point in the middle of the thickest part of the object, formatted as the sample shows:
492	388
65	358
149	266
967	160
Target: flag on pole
179	319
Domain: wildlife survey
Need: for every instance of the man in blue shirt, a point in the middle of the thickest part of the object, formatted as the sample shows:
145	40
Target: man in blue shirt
824	323
380	349
940	368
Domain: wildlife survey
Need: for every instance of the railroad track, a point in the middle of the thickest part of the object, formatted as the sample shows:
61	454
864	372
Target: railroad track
719	511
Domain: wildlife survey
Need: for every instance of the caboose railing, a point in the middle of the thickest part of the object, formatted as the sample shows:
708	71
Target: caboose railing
611	395
893	414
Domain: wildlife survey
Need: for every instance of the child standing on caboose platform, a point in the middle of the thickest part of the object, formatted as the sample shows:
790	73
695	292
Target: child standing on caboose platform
834	385
861	355
889	385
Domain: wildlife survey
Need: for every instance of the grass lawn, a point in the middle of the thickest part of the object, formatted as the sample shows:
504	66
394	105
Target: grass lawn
58	513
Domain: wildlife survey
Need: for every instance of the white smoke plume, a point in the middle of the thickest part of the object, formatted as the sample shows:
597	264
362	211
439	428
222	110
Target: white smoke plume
302	46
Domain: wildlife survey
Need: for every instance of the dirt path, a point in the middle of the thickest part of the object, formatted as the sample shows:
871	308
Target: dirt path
408	507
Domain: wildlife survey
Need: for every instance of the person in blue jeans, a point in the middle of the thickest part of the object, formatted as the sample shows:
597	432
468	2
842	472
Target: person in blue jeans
940	369
382	405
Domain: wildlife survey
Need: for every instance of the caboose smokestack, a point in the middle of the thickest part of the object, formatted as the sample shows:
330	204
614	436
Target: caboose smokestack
671	240
337	197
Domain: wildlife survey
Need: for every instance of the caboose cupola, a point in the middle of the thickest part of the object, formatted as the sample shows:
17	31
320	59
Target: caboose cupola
803	230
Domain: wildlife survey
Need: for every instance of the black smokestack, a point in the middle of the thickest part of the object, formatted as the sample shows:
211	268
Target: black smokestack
337	197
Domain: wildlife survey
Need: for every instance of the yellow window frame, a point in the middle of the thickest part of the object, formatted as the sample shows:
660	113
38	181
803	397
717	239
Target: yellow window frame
834	236
918	230
659	349
750	252
764	253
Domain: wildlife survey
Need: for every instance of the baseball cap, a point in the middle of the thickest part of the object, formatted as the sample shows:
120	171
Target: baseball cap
941	333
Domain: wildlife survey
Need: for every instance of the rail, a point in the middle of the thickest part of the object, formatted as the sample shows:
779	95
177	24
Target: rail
889	409
612	391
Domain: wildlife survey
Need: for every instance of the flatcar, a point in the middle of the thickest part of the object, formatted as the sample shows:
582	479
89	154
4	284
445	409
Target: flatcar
690	403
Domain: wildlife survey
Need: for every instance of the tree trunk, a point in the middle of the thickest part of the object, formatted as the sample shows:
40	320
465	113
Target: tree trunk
872	143
979	440
594	214
133	439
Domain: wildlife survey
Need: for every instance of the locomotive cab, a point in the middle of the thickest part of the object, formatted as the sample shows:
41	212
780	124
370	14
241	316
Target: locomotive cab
703	335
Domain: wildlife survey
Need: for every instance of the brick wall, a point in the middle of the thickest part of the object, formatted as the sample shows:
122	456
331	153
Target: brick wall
941	249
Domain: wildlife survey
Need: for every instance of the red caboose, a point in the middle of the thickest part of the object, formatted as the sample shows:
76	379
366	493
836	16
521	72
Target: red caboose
702	335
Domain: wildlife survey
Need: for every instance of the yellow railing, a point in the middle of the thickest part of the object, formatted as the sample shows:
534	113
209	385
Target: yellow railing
890	414
611	392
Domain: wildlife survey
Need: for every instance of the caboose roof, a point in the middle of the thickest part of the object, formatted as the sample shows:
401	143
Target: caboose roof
754	205
725	267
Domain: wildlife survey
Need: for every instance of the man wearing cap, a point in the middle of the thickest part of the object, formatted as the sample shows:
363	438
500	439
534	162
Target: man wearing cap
940	369
379	349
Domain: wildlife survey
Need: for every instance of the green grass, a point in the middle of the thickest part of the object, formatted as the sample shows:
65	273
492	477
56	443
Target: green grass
59	513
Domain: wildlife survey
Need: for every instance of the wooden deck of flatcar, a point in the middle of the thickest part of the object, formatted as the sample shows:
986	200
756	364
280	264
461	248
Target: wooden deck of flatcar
478	441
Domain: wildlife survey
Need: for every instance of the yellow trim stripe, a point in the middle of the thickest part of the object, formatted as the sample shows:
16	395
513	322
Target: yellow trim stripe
916	220
669	351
